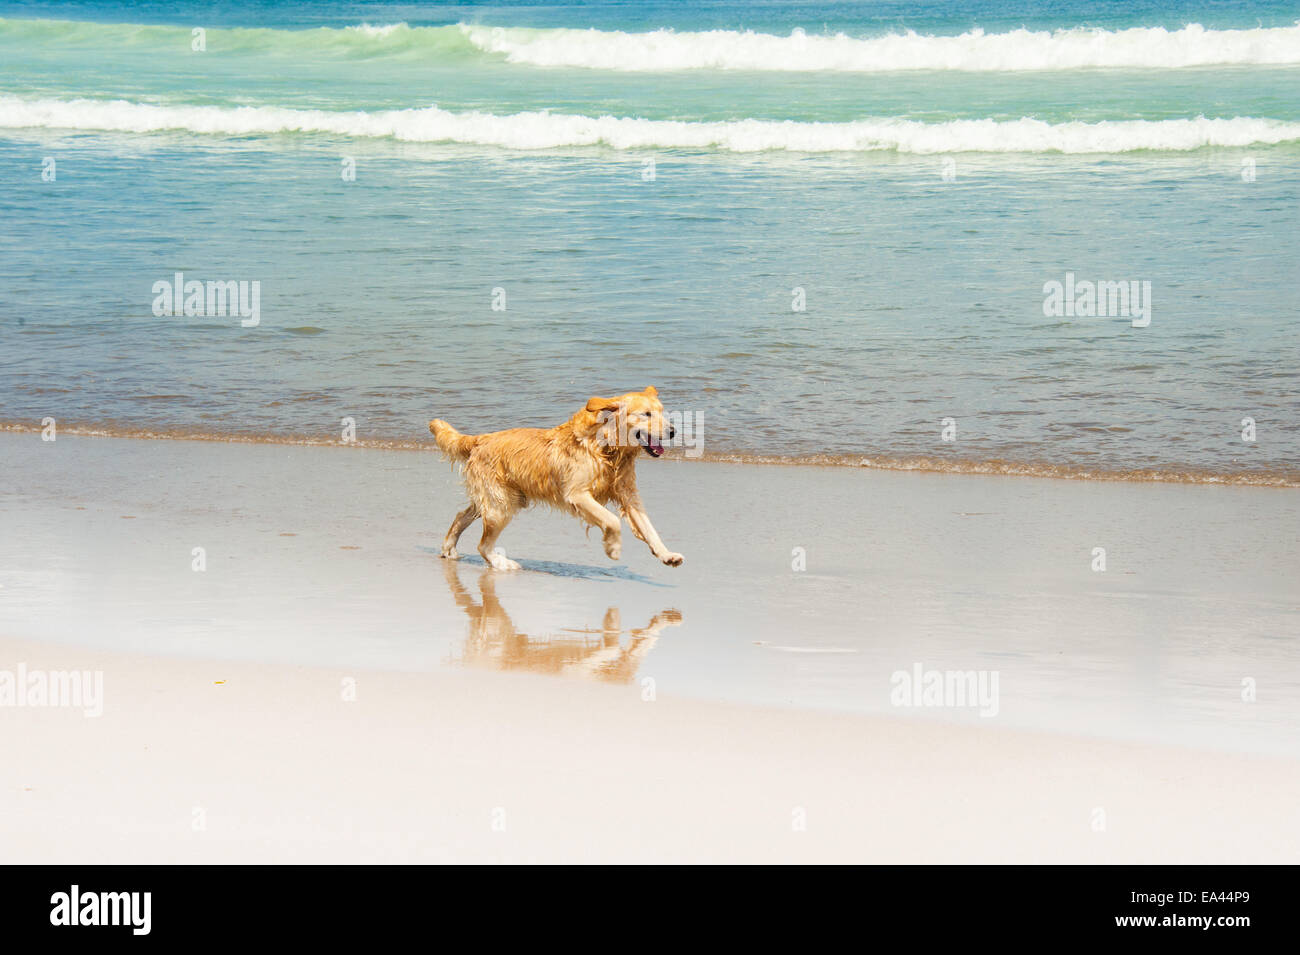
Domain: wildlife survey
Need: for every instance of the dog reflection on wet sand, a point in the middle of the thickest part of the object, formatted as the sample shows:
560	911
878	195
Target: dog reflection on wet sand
600	654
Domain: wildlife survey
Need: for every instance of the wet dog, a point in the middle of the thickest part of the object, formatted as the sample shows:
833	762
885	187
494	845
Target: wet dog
579	466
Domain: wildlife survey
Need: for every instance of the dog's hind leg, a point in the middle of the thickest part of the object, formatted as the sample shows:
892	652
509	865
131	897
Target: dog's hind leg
493	524
463	520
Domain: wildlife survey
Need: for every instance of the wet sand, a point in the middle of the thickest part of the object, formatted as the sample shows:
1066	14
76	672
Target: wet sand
328	556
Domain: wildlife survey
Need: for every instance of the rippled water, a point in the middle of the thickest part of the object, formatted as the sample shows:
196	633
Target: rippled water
921	264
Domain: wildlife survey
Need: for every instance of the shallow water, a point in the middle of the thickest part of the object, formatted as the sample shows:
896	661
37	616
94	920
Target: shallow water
920	264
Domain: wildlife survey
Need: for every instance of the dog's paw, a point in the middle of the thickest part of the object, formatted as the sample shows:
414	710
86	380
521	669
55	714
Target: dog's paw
451	553
500	561
672	560
613	551
668	618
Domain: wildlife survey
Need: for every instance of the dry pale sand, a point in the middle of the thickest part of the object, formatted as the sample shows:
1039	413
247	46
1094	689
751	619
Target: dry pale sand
200	761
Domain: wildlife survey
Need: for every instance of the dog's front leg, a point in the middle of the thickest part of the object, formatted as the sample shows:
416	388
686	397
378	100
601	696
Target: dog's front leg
589	508
642	528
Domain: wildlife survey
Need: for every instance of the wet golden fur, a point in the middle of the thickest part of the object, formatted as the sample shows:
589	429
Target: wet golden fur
579	466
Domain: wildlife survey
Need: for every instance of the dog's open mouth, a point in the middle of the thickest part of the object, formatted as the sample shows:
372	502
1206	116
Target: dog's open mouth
652	447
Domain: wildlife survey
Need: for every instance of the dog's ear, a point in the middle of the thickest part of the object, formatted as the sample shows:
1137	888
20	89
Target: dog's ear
651	390
602	404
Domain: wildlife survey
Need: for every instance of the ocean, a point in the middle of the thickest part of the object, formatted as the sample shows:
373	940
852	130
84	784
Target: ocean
1033	237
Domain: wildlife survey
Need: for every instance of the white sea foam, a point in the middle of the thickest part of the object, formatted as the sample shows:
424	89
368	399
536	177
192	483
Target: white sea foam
382	30
667	50
545	130
1066	49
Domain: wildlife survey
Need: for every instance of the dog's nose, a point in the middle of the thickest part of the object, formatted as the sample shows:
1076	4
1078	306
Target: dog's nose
672	432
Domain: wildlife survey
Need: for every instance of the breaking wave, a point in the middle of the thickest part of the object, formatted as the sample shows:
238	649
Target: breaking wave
667	50
977	51
546	130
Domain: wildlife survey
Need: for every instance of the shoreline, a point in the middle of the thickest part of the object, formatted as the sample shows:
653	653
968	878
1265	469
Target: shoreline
992	467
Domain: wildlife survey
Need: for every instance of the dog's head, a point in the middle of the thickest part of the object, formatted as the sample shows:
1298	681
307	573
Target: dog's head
631	420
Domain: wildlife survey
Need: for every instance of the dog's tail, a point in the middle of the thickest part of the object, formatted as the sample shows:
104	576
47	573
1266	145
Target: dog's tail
455	445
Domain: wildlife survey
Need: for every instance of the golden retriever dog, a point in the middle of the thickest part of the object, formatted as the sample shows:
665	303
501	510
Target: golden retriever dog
579	466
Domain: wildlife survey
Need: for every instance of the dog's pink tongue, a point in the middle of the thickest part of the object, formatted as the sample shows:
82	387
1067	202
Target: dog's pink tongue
656	448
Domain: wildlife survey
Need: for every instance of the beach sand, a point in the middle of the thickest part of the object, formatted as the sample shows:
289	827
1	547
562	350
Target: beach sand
206	761
731	709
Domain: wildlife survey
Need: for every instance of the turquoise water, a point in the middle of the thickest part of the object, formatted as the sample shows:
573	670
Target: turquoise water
649	185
